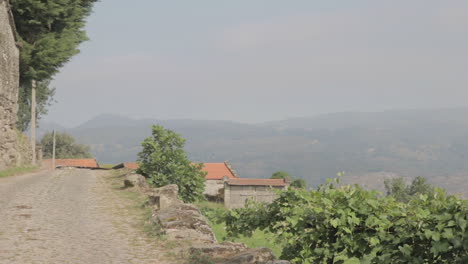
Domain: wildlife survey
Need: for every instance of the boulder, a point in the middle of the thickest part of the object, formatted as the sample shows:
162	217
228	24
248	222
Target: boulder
185	222
135	180
252	256
219	251
164	197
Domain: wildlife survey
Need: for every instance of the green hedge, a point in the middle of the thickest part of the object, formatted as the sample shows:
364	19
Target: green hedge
352	225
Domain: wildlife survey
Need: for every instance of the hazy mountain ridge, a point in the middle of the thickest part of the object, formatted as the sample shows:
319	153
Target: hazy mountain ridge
430	143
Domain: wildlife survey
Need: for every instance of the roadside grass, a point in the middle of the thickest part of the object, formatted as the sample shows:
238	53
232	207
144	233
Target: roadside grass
17	171
258	239
136	207
106	166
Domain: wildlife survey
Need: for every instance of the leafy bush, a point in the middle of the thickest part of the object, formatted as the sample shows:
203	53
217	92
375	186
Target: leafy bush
163	161
352	225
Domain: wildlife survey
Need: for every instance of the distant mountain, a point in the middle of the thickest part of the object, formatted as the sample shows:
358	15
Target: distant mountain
368	146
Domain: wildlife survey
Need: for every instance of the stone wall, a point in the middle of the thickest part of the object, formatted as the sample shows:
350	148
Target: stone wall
235	196
10	152
212	187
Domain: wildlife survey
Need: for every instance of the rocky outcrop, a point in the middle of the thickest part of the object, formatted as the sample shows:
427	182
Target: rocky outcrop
252	256
11	147
220	251
135	180
184	222
164	197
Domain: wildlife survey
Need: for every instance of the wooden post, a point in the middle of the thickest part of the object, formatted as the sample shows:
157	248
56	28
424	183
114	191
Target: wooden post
53	151
33	121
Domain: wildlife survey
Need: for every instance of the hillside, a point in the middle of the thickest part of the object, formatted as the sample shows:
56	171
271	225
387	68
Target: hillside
368	146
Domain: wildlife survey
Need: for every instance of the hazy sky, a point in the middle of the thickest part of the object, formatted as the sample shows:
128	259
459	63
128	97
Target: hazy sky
264	60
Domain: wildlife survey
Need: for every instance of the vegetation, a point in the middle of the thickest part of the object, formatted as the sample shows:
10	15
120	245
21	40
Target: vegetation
397	188
215	212
163	161
44	99
16	171
299	183
281	175
65	147
351	225
197	257
49	32
296	183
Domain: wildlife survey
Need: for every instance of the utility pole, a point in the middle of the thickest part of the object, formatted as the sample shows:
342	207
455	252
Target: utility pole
33	121
53	151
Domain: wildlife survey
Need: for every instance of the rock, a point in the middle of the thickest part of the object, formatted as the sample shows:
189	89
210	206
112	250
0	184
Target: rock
219	251
185	222
135	179
252	256
164	197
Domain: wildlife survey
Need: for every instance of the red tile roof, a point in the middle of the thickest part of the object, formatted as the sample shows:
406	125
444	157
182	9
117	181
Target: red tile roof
78	163
258	182
217	171
131	165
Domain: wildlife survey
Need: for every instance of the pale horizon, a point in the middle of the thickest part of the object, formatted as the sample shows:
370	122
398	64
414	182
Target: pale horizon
263	61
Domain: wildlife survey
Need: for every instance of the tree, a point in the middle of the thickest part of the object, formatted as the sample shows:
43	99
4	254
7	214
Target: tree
402	192
419	185
281	175
163	161
44	98
299	183
296	183
397	188
65	148
49	32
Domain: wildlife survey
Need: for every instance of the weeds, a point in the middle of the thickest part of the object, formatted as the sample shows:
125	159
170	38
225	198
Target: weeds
17	170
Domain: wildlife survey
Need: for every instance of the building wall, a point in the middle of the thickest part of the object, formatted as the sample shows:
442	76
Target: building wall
10	149
235	196
212	187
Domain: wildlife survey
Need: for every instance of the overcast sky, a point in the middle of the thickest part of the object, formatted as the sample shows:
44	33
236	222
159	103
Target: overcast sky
254	61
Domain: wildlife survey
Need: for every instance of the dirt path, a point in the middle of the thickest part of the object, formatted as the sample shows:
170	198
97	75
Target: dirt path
68	216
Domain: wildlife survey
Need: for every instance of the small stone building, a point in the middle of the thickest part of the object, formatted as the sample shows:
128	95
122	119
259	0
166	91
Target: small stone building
216	172
238	191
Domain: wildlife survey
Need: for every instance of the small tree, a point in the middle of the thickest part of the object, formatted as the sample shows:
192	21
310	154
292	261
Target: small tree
299	183
65	147
163	161
402	192
296	183
281	175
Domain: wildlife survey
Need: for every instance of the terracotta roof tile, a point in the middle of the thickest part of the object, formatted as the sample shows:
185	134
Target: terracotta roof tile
258	182
131	165
217	171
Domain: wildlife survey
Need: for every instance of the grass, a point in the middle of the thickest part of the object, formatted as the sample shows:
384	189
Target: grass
136	207
258	239
17	171
107	166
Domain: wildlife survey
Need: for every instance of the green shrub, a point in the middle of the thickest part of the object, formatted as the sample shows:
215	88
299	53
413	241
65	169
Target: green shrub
163	161
352	225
